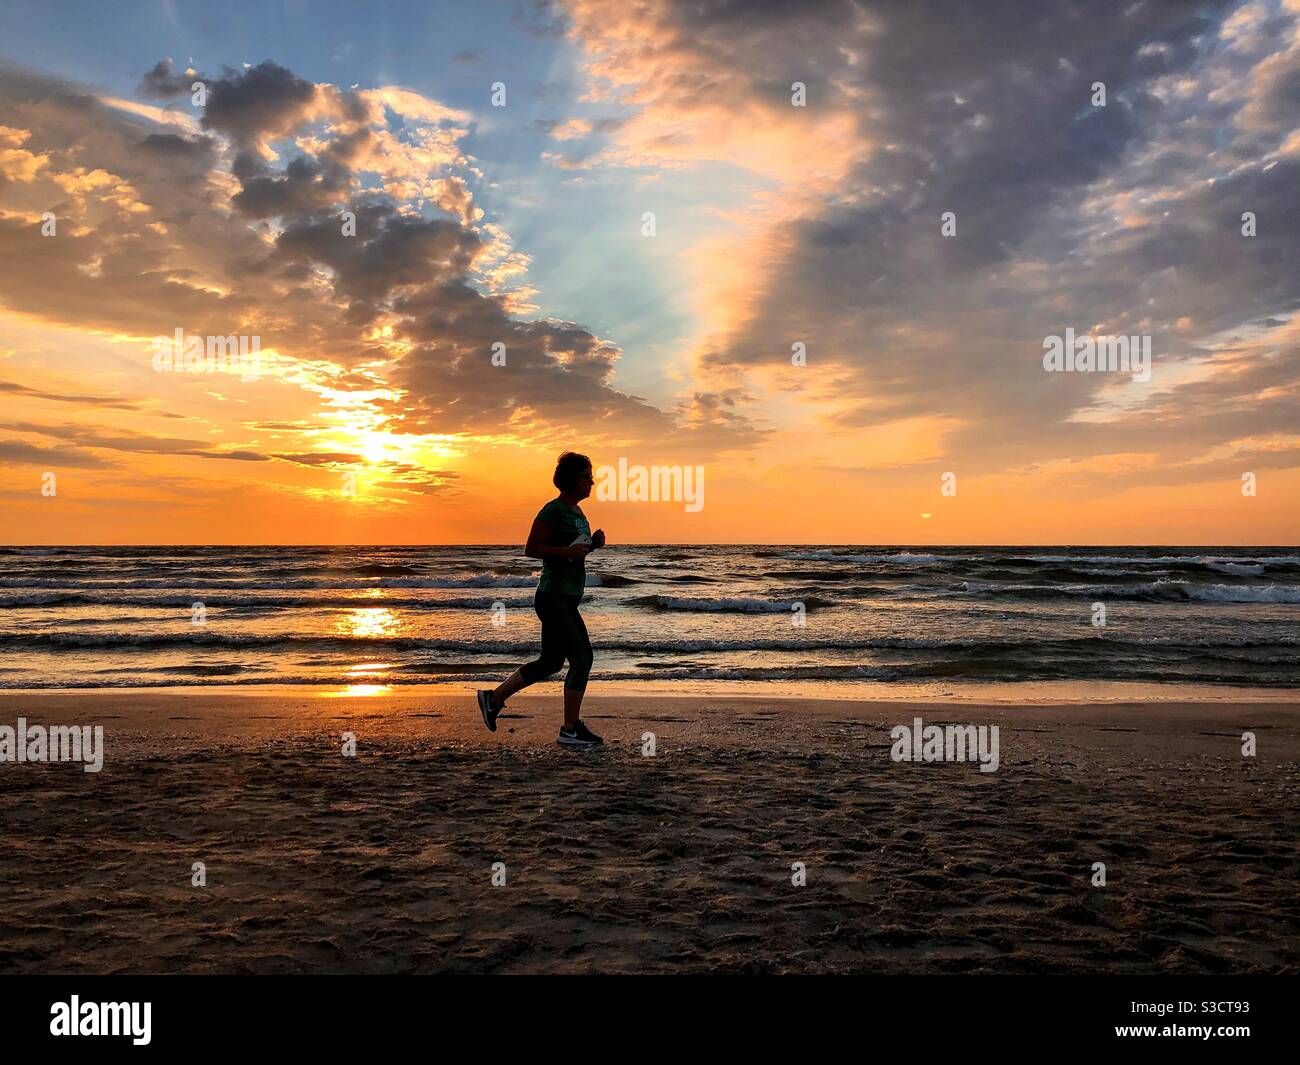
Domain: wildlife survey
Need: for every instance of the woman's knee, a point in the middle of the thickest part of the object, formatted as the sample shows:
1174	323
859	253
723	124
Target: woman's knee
542	668
579	669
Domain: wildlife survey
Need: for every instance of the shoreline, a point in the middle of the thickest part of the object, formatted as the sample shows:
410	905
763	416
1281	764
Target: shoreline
153	722
1054	693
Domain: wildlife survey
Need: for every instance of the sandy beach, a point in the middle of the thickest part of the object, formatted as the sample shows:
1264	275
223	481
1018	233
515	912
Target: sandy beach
617	862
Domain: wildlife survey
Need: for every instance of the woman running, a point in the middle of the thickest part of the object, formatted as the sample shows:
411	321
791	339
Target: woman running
561	538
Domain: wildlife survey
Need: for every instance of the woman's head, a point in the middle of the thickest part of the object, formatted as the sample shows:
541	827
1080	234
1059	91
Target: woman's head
573	475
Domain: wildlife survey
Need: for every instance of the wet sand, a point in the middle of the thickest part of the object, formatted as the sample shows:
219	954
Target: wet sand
615	861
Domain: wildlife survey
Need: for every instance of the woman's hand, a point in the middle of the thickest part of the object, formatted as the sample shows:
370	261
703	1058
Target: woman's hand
598	539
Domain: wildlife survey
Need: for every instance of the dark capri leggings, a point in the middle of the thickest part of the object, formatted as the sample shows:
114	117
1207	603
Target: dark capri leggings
564	635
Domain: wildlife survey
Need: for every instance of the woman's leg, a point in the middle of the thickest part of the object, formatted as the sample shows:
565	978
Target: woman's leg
546	664
513	683
573	705
578	651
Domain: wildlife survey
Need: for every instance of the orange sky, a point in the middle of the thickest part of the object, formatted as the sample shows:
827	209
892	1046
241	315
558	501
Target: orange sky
377	414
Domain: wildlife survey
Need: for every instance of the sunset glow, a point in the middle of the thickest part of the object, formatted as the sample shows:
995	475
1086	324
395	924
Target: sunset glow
500	294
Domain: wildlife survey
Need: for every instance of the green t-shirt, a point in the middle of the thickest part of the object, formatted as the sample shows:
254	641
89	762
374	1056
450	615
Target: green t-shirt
563	575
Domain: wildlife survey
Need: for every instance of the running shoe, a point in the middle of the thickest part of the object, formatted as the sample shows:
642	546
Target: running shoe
485	708
578	736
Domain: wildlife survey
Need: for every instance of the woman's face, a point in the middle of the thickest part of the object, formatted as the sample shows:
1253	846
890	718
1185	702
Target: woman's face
585	482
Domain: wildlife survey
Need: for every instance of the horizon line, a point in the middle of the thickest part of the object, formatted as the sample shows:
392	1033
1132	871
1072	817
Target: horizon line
693	543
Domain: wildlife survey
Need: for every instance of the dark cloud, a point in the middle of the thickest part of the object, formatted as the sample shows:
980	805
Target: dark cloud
303	187
21	453
262	102
322	458
162	82
390	252
105	402
986	112
140	443
199	150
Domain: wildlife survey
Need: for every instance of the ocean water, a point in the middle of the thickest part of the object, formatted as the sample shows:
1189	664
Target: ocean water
745	617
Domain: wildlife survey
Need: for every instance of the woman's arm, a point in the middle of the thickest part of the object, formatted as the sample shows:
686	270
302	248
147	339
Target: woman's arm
538	541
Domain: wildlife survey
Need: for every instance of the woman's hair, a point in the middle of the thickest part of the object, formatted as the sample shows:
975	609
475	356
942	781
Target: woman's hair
568	469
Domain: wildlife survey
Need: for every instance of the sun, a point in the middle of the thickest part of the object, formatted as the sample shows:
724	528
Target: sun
374	448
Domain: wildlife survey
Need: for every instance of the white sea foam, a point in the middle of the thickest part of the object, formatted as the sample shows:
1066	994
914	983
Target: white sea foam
478	580
1236	569
905	558
723	606
1224	593
1163	588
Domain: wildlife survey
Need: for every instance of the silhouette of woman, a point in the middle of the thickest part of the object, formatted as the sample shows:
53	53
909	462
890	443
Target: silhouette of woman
562	539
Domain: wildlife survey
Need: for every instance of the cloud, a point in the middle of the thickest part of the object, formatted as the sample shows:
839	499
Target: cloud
1123	219
140	443
105	402
16	162
251	106
566	130
332	459
239	230
21	453
407	479
402	478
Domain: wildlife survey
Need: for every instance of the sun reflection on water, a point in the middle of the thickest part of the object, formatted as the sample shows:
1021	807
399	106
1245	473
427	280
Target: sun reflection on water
369	621
370	669
359	690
